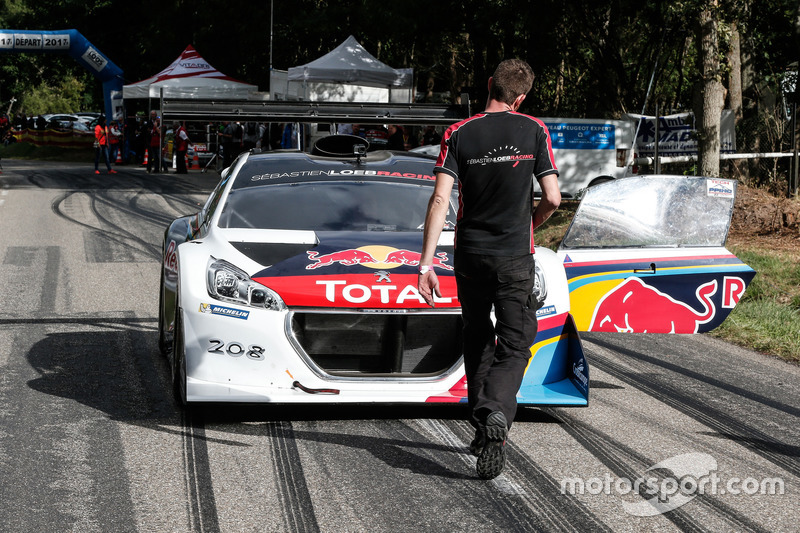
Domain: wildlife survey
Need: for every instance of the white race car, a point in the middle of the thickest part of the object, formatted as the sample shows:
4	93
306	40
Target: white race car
296	282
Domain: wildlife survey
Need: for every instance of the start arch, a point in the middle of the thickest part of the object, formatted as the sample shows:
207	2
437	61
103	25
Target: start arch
80	49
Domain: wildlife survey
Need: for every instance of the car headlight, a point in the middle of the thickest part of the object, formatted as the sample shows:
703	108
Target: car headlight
539	284
228	283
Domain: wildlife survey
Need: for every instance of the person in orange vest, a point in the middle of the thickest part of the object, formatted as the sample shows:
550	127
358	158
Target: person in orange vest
182	143
101	145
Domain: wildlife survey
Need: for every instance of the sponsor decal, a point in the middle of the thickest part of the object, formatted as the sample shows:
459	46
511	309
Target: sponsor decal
579	371
94	59
583	136
356	293
373	256
732	291
196	66
546	311
719	188
214	309
171	258
495	156
635	307
340	173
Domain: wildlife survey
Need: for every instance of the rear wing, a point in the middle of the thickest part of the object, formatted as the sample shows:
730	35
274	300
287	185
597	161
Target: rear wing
181	109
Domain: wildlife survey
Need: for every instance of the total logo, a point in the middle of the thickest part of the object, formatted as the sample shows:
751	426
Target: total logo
378	257
356	293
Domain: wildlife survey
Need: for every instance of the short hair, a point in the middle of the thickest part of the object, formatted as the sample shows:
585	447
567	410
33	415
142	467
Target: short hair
512	78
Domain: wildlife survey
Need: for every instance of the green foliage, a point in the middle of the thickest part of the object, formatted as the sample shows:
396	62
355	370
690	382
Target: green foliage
67	97
591	58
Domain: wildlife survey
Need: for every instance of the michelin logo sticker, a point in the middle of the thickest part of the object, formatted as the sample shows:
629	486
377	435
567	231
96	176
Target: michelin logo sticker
546	311
212	309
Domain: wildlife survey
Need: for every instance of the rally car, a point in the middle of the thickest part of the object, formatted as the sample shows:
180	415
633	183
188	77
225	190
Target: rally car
297	281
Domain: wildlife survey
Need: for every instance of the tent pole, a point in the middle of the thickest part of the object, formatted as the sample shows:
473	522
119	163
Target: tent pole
270	35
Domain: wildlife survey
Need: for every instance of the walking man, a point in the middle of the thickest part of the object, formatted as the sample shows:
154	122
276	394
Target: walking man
494	155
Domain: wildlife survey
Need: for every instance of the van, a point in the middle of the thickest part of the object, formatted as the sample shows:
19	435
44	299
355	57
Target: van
590	151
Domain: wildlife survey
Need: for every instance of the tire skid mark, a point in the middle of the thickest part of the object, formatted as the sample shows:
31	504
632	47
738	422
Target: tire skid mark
708	380
109	230
296	505
202	508
719	421
124	236
526	486
625	462
507	509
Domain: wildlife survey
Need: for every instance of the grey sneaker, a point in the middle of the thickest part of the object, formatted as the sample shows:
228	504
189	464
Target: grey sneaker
492	458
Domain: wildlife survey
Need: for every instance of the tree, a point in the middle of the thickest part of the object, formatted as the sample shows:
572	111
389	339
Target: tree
709	96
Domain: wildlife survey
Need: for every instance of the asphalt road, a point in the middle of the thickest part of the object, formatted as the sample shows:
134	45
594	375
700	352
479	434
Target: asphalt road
91	438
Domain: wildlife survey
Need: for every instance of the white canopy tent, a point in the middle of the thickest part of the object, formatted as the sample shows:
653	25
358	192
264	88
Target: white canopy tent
189	76
348	73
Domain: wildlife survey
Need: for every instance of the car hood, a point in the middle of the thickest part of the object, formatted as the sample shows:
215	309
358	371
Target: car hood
356	270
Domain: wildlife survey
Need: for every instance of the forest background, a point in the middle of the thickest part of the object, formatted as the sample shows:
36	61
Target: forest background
592	59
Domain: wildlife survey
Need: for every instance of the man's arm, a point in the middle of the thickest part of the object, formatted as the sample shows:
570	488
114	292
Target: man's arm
551	199
428	283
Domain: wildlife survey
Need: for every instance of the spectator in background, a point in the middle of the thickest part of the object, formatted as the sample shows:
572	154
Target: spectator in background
395	141
153	132
250	136
431	136
236	139
101	145
289	139
182	143
358	131
114	138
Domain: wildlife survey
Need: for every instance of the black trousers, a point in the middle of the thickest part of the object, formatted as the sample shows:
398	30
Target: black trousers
495	355
180	162
153	159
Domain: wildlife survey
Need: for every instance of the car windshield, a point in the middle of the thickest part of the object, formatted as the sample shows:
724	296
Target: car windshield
332	206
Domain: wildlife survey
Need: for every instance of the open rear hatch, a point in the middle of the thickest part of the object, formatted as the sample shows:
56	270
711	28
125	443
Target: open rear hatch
647	254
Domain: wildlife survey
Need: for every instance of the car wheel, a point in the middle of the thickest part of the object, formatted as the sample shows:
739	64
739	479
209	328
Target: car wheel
164	344
179	361
598	181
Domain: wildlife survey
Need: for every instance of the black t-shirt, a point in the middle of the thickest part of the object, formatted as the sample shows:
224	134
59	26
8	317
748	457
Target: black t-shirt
494	157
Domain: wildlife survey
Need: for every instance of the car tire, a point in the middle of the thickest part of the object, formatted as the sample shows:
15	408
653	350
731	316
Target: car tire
164	344
179	361
601	179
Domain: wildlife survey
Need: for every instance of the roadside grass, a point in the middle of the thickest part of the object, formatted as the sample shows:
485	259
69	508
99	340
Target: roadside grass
552	231
767	319
23	150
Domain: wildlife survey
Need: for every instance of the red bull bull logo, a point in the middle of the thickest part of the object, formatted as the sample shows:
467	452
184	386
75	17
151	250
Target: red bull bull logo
636	307
375	256
343	257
